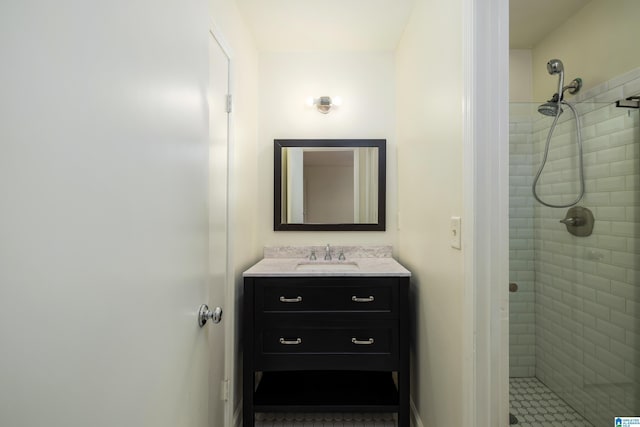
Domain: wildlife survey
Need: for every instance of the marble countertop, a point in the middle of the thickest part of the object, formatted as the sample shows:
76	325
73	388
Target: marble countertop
293	261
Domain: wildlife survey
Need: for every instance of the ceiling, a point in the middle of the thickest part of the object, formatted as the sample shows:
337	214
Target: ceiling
356	25
531	20
347	25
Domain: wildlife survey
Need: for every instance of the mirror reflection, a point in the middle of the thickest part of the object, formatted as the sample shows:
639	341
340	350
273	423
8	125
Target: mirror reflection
329	184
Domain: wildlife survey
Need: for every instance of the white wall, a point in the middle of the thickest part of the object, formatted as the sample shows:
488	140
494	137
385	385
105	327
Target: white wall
429	110
244	128
365	81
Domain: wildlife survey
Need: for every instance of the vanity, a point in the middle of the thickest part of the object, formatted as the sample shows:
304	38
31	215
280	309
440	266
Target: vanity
326	335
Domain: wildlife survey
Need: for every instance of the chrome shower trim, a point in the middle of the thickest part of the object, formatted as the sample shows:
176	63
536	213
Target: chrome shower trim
555	66
573	87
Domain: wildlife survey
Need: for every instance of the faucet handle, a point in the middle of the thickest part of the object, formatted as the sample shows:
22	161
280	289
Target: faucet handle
573	221
341	257
312	257
327	254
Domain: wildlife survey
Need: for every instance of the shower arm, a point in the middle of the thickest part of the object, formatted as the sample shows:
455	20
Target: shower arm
573	88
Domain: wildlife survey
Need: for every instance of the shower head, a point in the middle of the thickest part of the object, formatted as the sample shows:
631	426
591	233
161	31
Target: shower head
550	109
555	66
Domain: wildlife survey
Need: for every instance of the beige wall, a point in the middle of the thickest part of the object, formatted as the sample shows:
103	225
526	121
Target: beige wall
520	75
429	110
245	248
366	83
597	43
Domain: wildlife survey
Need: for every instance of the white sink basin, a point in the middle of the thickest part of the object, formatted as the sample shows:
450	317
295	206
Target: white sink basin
327	266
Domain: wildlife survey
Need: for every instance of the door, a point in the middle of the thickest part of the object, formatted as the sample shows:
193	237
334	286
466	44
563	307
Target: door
104	223
219	107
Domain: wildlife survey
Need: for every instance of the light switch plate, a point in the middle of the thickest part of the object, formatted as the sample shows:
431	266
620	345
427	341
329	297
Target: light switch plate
456	233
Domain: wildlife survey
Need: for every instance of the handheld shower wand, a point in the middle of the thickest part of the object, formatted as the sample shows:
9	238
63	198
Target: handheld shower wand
555	66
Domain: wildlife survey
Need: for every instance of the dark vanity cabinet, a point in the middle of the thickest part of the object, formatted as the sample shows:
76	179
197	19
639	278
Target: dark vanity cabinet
326	344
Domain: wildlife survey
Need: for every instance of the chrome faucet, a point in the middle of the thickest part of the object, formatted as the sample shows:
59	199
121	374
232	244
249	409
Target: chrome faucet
327	254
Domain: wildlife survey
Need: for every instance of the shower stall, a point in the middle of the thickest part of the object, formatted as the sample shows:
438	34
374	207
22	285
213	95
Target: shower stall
575	298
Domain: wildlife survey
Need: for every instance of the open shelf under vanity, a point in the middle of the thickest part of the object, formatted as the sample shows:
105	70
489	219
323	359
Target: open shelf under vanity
326	391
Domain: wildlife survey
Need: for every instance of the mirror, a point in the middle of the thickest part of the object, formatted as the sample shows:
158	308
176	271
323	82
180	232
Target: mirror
329	184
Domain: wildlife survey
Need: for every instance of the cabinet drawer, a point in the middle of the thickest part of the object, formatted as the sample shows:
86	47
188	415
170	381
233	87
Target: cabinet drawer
361	295
375	340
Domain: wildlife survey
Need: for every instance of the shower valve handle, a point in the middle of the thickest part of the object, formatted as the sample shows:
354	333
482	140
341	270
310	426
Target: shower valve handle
573	221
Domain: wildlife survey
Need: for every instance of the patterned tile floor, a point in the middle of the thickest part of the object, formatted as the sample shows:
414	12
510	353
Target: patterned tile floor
325	420
535	405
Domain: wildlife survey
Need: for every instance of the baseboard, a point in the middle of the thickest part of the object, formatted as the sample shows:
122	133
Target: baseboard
415	417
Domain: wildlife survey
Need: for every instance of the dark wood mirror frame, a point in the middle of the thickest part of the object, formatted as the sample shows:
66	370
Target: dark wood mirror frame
279	144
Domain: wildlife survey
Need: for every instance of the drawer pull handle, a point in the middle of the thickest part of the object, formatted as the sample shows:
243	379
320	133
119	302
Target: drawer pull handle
366	299
296	299
291	342
356	341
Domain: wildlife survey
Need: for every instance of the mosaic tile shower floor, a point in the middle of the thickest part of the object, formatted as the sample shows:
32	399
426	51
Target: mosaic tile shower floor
535	405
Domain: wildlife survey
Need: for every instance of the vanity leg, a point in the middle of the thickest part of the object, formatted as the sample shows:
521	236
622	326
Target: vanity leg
248	416
248	372
250	420
403	374
403	389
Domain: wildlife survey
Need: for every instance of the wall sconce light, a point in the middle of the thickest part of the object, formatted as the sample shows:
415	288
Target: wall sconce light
324	103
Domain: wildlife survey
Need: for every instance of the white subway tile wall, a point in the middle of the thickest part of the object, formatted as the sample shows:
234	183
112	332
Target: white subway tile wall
521	303
587	290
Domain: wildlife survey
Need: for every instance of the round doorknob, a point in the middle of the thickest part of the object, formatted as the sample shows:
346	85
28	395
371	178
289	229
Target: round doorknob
205	314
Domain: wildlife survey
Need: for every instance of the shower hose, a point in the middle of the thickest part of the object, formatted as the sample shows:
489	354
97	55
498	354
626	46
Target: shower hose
546	153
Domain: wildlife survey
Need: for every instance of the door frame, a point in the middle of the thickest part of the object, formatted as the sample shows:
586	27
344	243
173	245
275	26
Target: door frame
485	25
228	322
